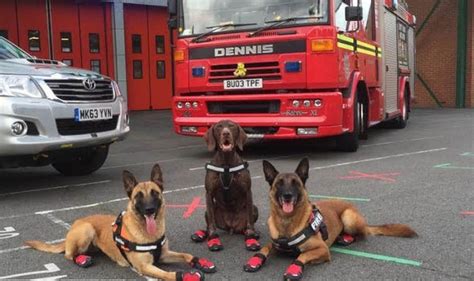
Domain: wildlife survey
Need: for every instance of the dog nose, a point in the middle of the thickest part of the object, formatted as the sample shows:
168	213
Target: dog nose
287	196
150	211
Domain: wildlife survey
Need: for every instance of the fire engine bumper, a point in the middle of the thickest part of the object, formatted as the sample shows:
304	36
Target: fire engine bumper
269	116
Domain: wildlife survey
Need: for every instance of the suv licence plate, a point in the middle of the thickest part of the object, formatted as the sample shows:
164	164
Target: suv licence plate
243	84
91	114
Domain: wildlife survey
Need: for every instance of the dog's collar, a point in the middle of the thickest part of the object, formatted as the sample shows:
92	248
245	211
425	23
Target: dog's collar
120	237
316	224
226	172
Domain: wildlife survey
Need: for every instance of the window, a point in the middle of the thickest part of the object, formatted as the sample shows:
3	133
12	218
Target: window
95	65
137	69
67	62
4	33
341	22
160	69
368	18
402	45
66	42
160	44
94	43
136	43
34	43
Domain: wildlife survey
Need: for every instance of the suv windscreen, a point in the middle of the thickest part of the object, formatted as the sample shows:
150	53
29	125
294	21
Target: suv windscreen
10	51
197	15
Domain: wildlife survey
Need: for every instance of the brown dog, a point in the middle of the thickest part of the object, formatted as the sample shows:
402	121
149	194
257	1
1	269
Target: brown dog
229	204
136	239
307	230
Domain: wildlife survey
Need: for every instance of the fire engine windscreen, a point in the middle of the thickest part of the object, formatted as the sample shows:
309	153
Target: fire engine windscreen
198	16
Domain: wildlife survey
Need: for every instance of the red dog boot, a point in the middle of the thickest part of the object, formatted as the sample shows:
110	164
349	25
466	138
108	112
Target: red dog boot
214	243
294	271
255	263
204	265
192	275
252	244
345	239
199	236
83	261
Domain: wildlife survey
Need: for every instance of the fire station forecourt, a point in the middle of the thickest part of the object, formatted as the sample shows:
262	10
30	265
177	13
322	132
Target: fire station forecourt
421	176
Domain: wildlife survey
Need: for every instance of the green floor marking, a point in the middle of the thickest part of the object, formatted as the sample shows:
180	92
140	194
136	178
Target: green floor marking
450	166
341	198
376	256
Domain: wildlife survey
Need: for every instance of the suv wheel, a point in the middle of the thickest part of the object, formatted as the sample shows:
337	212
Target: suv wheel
84	163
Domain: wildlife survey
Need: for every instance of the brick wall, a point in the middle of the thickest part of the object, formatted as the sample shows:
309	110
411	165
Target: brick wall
436	52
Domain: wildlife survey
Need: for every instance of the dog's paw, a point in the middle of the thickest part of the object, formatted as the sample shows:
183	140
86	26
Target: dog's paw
214	243
83	261
345	239
192	275
204	265
199	236
255	263
252	244
294	271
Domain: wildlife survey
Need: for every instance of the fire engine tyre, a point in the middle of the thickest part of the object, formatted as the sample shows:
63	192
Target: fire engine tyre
349	142
402	121
85	163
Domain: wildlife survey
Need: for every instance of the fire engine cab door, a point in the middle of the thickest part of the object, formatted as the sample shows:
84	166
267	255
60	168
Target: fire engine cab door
391	63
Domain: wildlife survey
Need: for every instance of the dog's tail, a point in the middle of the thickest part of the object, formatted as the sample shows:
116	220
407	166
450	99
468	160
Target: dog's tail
55	248
397	230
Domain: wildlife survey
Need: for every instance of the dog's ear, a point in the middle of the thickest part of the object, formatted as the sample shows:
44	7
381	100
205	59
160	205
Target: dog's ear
303	169
129	182
157	176
241	139
270	172
210	139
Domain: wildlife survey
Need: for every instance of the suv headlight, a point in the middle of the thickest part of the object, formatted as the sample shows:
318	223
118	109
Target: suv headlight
19	86
116	89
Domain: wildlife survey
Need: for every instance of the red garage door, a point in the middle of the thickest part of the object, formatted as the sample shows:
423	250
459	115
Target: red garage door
8	20
147	58
32	27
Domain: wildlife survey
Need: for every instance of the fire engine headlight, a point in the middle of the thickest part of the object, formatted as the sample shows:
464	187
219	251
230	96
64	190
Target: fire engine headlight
293	66
296	103
198	71
187	105
318	103
195	104
306	103
179	105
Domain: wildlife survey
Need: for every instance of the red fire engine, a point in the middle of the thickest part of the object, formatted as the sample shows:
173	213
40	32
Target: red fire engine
287	69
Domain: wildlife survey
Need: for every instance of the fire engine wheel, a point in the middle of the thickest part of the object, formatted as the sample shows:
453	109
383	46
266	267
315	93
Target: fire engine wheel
401	122
84	163
349	142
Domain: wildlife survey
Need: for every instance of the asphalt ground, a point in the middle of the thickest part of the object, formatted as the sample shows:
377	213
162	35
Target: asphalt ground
421	175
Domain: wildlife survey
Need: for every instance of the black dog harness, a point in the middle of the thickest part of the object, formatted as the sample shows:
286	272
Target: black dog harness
290	245
124	245
226	172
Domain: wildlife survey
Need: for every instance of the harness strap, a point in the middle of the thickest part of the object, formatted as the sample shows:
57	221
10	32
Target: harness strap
226	172
316	224
125	245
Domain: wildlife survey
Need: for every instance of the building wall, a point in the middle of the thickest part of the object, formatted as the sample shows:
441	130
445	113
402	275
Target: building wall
470	79
437	53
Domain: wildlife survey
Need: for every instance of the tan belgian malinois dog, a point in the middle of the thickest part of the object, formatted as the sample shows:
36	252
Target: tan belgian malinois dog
135	238
307	230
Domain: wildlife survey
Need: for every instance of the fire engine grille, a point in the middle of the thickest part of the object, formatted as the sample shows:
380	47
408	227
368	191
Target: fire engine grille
69	127
264	70
73	90
243	107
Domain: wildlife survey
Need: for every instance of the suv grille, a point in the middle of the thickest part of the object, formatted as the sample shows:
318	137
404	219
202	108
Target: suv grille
264	70
74	90
68	127
243	107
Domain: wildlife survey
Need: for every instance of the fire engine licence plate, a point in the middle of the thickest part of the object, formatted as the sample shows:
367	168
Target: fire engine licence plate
91	114
243	84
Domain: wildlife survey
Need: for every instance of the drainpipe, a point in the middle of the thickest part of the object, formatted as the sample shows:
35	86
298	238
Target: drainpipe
461	55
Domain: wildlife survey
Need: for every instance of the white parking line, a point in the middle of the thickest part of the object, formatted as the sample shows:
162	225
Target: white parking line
52	278
403	141
54	188
27	247
50	267
56	220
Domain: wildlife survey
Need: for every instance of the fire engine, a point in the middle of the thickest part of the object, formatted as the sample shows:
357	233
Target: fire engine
289	69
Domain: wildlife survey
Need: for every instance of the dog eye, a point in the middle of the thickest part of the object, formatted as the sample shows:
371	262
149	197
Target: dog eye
139	195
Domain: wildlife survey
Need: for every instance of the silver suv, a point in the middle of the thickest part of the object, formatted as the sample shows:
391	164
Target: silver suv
54	114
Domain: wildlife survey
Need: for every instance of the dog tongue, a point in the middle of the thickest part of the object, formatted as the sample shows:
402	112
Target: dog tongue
288	207
150	224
